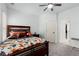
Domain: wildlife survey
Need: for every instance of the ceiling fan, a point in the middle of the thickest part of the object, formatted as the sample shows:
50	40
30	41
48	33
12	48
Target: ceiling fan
50	6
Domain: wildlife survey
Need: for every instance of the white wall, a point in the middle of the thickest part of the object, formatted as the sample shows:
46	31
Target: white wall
45	19
17	18
0	24
69	16
3	22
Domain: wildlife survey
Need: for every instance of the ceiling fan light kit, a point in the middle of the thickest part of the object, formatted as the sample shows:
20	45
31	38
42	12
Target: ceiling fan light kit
50	6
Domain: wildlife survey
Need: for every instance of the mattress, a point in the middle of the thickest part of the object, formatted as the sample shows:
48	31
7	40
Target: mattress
13	45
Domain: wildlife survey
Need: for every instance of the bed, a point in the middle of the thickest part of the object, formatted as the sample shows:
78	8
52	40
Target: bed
20	42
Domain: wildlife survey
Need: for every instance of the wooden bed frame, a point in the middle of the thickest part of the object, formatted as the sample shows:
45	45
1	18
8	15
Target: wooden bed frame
34	50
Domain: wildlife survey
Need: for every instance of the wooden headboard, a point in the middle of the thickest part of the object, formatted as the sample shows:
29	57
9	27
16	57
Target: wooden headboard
17	28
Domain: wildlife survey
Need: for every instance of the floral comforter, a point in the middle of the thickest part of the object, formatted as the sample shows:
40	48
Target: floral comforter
10	46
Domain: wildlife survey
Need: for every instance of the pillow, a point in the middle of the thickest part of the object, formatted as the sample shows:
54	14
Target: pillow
28	34
15	34
19	34
22	34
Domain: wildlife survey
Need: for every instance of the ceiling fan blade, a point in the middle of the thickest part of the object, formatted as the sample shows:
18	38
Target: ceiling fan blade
12	3
42	5
57	4
51	9
45	9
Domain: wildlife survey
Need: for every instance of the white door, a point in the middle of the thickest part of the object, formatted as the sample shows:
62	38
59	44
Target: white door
51	30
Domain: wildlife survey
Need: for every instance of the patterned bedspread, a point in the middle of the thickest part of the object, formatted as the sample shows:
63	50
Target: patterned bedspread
12	45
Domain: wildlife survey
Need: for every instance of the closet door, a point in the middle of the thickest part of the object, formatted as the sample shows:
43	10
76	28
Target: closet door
51	28
48	27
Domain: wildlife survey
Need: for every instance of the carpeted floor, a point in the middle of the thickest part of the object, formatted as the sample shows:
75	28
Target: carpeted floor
62	50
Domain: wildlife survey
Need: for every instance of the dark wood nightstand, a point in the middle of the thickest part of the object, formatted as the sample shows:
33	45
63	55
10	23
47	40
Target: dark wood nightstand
35	35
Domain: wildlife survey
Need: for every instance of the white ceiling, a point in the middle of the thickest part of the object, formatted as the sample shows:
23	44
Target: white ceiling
33	8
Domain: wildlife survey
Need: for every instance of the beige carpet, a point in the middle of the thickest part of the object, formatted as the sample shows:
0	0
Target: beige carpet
62	50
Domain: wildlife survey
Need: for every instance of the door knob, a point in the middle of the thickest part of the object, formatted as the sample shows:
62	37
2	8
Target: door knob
53	32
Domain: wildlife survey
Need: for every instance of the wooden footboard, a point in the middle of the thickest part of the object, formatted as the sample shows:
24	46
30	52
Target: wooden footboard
34	50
